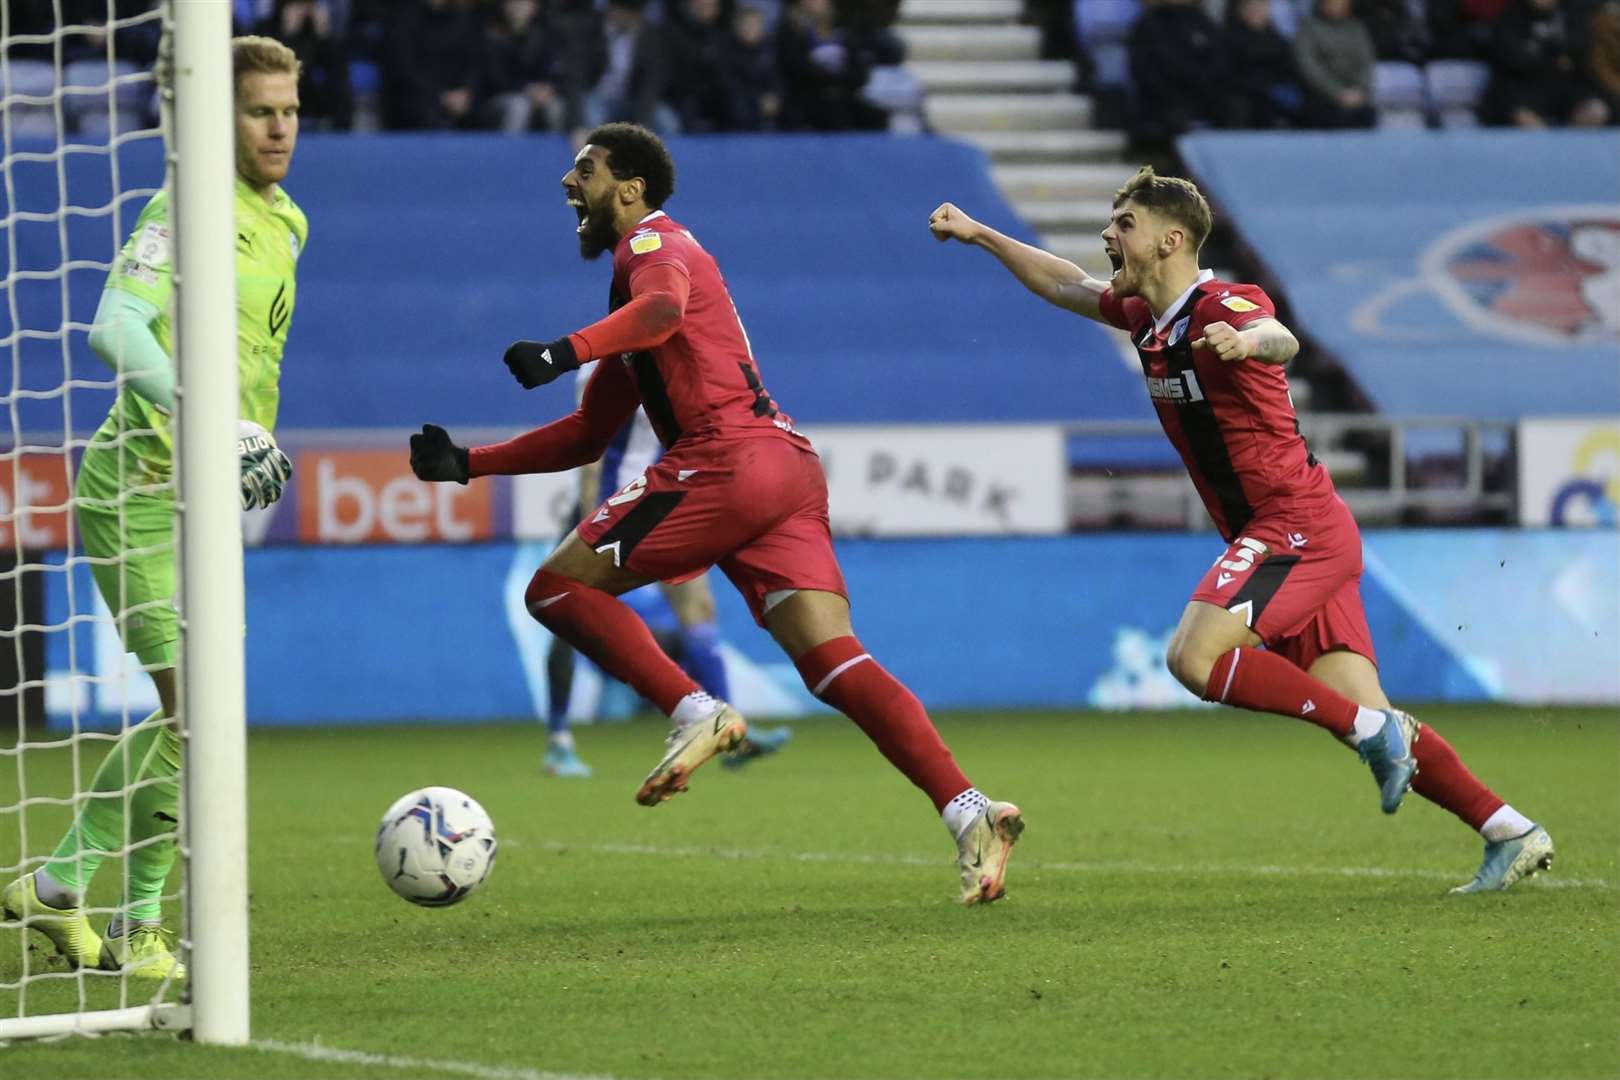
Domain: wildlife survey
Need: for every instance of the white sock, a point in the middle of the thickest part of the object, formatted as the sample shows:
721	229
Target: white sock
53	893
1505	824
562	740
694	708
960	811
1368	722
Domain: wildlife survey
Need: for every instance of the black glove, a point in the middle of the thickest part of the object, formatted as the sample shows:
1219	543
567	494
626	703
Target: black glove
435	457
535	363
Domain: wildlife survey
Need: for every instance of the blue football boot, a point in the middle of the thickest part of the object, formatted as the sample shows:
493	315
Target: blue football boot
760	742
1506	861
1389	755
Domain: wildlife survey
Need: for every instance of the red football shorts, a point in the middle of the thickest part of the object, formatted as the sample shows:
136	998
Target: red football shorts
756	507
1297	583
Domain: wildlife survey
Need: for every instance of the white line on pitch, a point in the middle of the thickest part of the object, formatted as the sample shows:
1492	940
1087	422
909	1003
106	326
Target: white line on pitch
885	859
316	1052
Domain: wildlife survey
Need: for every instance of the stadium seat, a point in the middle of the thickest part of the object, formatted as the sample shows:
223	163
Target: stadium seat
90	100
1100	22
1456	84
1111	65
36	78
1398	86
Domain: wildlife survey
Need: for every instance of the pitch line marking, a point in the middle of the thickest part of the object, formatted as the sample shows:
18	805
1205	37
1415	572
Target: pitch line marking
885	859
314	1051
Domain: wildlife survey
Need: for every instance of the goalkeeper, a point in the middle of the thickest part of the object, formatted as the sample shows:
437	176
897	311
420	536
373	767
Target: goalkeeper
126	516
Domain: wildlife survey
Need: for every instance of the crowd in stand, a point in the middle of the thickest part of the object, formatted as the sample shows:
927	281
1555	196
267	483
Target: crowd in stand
834	65
567	65
1187	64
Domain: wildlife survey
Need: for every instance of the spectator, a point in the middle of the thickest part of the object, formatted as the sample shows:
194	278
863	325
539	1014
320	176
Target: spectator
1463	28
701	90
822	75
516	88
1176	68
754	76
616	70
1335	56
1262	89
1399	28
430	58
1605	55
325	97
1537	71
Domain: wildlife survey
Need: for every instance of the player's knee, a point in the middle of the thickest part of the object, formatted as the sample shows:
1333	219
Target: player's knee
545	589
1189	663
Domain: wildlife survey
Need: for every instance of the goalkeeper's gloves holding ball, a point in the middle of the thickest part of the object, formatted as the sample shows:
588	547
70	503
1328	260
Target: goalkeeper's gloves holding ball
265	469
435	457
535	363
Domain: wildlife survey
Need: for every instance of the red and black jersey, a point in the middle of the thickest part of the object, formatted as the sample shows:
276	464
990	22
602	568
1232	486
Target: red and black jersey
703	382
1232	423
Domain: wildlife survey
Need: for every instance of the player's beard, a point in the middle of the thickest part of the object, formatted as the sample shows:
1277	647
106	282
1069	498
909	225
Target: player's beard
597	234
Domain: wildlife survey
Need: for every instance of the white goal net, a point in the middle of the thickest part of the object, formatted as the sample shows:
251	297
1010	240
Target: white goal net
99	531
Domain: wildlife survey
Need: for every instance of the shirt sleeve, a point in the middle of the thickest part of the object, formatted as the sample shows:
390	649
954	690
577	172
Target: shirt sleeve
122	337
143	266
1242	305
577	439
1112	309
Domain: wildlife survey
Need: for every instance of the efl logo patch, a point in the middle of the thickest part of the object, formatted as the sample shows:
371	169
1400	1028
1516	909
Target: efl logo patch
1237	303
646	242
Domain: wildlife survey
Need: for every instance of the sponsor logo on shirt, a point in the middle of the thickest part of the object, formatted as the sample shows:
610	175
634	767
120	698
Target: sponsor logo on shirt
140	273
1180	389
645	243
1237	303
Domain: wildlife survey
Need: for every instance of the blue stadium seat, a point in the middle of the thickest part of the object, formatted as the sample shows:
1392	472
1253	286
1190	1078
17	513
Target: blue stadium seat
1102	22
1455	88
1398	93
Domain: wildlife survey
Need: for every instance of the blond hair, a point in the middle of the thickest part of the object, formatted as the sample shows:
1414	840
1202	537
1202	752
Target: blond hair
255	55
1175	198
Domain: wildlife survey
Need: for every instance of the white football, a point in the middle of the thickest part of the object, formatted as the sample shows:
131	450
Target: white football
435	846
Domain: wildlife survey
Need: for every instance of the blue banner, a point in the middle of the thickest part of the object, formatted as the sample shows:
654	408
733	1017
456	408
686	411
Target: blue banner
1452	273
440	633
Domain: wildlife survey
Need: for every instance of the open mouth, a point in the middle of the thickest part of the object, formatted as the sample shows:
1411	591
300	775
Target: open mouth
1116	259
581	209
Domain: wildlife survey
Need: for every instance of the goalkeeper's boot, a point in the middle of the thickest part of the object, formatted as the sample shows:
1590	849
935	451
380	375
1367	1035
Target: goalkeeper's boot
1506	861
690	747
1389	755
983	849
565	761
142	952
67	928
759	743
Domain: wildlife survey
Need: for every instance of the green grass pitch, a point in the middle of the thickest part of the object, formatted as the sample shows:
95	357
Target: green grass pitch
1206	894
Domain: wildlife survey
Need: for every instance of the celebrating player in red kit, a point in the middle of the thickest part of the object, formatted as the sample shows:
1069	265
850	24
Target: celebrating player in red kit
737	486
1213	354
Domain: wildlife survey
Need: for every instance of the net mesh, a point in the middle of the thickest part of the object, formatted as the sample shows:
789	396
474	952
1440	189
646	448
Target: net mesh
83	153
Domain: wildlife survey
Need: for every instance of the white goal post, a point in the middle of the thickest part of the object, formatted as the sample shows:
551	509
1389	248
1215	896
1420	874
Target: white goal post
196	88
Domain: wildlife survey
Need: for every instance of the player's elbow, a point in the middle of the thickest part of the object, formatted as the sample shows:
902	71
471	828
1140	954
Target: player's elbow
664	315
104	342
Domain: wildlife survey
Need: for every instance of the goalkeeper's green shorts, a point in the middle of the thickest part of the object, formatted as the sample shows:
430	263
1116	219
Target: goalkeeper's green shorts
135	557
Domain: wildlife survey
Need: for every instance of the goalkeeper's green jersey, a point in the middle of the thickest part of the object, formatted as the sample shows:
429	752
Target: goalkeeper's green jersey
270	236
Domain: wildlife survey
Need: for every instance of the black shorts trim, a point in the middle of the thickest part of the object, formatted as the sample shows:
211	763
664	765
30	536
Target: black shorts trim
634	527
1263	584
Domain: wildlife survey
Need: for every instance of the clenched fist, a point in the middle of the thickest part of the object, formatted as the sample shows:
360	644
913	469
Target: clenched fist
1223	341
950	223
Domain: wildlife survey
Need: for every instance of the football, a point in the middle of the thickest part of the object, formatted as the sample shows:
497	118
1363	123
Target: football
435	846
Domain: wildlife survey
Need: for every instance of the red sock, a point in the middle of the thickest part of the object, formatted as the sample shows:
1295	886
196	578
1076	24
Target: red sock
1444	780
843	674
612	635
1266	682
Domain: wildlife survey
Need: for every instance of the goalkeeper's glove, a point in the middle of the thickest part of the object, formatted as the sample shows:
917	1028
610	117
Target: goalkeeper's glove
265	469
435	457
535	363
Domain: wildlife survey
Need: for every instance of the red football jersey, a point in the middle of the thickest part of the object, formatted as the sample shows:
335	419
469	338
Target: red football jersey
702	383
1232	423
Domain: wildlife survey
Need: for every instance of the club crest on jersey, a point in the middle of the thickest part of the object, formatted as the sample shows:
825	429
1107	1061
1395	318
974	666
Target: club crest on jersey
292	244
646	242
1180	389
1179	331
